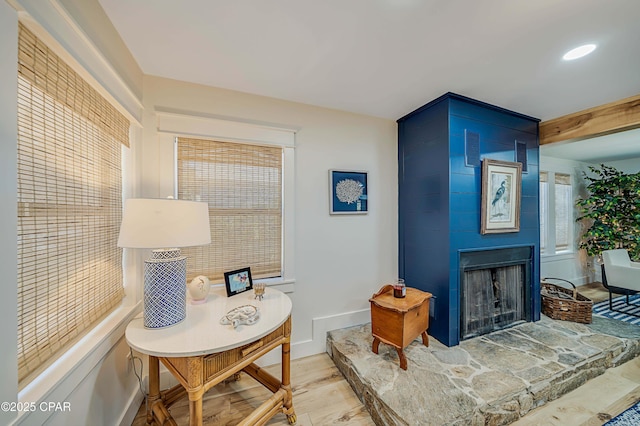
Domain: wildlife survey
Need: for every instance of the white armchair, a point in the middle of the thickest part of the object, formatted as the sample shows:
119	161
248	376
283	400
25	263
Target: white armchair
620	275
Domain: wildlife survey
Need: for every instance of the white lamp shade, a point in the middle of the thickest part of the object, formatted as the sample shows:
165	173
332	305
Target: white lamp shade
164	223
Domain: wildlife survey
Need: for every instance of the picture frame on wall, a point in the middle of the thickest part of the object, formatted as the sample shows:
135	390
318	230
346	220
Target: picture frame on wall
348	192
501	192
238	281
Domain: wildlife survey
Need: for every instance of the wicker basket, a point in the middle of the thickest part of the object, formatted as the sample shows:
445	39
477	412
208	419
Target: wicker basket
564	304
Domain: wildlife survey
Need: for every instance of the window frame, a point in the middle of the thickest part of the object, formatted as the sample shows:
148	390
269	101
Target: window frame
75	364
173	124
65	127
550	219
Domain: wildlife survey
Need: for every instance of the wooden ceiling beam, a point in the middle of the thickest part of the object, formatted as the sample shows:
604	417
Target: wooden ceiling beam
608	118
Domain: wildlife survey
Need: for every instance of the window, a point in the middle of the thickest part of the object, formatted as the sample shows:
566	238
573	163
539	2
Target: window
242	184
563	211
69	205
556	212
544	209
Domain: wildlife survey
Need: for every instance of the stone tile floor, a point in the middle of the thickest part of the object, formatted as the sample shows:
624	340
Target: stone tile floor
493	379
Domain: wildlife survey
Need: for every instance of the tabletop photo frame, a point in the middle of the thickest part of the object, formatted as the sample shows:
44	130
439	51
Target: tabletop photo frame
501	189
238	281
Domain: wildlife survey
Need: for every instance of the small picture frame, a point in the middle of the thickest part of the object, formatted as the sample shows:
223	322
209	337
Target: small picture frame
238	281
348	192
501	188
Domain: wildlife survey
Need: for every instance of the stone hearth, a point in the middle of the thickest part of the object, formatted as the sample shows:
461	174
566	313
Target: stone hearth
488	380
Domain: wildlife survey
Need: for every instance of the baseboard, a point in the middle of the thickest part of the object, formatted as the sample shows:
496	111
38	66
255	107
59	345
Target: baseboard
133	405
580	280
318	342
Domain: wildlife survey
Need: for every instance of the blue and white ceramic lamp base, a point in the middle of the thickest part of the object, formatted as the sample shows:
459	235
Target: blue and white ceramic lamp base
165	288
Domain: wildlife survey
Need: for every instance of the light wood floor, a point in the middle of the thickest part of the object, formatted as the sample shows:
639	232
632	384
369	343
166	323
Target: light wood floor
321	396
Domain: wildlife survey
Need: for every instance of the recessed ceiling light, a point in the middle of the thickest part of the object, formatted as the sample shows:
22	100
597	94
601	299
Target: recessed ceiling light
579	52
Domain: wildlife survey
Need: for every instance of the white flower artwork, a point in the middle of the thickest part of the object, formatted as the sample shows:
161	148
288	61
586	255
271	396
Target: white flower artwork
349	191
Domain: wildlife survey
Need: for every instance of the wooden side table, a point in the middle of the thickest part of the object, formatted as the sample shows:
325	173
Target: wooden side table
398	321
200	353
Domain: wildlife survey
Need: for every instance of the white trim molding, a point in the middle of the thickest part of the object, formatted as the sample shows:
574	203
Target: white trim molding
50	21
318	342
224	129
62	377
171	123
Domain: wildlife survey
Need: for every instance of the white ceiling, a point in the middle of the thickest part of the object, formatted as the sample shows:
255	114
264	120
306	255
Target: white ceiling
388	57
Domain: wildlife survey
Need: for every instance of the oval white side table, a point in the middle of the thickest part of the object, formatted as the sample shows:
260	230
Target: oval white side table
200	353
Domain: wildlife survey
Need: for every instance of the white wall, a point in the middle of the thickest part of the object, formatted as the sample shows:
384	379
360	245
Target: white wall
8	248
89	15
631	165
340	260
573	266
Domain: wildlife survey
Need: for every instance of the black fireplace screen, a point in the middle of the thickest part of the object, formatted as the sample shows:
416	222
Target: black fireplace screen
492	298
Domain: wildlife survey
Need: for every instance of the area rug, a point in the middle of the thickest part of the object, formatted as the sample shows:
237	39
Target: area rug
602	309
629	417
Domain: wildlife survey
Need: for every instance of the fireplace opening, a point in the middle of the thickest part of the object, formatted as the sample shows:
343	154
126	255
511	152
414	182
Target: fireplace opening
495	290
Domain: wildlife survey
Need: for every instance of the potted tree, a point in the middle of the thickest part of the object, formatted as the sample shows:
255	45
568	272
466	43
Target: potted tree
610	213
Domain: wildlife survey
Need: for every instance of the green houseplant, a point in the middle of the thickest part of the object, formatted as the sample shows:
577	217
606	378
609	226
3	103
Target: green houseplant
611	211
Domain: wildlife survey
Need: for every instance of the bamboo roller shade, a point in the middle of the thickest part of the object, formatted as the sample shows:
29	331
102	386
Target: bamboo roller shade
242	184
69	206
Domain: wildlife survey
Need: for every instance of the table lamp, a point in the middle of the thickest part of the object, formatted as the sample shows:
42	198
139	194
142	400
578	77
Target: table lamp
164	225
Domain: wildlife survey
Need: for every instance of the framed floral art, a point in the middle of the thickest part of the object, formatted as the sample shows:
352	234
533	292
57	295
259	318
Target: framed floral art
348	192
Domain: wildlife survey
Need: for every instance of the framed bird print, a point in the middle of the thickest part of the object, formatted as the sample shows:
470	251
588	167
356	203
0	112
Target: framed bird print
501	188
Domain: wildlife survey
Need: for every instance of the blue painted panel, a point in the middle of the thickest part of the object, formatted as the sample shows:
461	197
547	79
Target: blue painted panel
464	183
529	203
458	163
467	221
490	114
530	184
463	202
439	197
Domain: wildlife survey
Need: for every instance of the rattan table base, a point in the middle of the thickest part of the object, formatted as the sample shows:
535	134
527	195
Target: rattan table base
198	374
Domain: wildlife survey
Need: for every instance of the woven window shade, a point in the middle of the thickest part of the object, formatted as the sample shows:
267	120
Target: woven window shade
563	210
45	70
563	179
243	186
69	206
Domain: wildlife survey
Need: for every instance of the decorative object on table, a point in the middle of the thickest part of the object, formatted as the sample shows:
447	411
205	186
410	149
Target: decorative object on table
348	192
242	315
238	281
258	290
399	288
198	289
564	304
157	223
501	188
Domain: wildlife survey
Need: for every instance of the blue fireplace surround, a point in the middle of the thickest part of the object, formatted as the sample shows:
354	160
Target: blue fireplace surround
440	149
